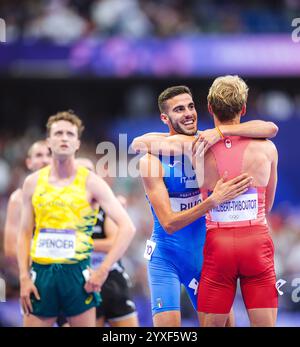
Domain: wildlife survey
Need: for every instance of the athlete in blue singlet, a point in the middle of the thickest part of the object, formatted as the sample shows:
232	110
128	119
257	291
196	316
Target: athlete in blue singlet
175	249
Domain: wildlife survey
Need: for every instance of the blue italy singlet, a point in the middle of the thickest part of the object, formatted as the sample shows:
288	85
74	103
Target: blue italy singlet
176	259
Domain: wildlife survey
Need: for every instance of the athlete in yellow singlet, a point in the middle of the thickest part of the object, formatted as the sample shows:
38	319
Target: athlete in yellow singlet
61	201
38	156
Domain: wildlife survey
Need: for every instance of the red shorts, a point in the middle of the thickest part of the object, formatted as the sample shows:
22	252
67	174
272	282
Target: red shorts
246	253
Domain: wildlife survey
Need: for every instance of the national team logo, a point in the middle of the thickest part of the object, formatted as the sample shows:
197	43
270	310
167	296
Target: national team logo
174	163
279	284
150	246
2	30
194	285
159	303
32	275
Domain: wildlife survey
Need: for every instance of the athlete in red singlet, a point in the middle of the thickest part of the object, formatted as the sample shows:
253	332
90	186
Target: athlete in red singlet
238	244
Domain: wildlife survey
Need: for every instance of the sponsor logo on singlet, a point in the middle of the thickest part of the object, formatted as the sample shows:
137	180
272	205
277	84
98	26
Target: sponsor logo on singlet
55	243
89	299
194	285
96	259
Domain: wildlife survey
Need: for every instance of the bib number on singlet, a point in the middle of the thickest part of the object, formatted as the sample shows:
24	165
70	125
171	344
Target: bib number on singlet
55	244
150	246
242	208
98	257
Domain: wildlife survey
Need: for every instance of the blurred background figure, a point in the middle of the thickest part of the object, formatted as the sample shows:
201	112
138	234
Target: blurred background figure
108	60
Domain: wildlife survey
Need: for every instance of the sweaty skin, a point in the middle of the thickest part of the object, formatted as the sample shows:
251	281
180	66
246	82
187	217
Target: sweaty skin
64	141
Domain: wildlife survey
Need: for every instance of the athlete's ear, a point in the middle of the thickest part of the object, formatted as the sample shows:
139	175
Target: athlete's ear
210	109
244	109
164	118
28	163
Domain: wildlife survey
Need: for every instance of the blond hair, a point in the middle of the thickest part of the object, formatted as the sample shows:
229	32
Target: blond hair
68	116
40	142
227	96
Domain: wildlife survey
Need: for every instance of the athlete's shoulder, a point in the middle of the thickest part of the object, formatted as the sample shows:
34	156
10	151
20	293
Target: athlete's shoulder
257	142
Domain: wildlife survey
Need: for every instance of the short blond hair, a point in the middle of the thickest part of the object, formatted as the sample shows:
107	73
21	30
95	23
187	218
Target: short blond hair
170	93
30	150
68	116
227	96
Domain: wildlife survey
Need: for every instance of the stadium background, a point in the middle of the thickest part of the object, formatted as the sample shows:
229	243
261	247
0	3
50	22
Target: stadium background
108	60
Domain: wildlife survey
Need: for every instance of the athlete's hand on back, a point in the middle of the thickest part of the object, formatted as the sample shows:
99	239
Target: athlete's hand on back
229	190
27	287
122	200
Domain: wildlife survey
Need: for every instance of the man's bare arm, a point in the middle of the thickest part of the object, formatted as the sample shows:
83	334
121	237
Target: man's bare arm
252	129
178	144
157	144
111	230
26	229
113	209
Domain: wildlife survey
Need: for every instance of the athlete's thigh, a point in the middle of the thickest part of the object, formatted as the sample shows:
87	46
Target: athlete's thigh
127	321
167	319
74	300
38	322
100	321
212	320
190	275
45	281
258	280
164	285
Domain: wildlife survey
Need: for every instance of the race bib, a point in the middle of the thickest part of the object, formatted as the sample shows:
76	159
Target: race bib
242	208
184	201
150	246
96	259
55	244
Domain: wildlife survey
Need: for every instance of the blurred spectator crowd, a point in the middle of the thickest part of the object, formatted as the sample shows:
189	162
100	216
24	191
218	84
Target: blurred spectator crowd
12	174
65	21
